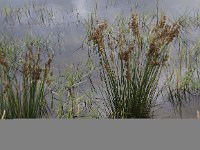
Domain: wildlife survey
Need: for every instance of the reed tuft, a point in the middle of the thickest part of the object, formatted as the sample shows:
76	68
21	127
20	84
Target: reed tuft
131	78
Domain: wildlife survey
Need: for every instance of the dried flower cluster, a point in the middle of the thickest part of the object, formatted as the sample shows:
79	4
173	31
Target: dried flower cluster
97	35
134	27
32	67
125	56
161	35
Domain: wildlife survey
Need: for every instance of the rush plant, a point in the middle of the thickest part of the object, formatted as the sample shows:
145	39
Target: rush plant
131	62
22	93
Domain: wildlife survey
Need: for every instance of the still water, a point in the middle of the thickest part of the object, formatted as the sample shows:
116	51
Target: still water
65	23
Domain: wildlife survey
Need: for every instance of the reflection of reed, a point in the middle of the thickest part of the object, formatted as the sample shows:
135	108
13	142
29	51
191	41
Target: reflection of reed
4	112
198	115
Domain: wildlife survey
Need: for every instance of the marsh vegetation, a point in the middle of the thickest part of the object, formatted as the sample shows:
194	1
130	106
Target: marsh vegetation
128	67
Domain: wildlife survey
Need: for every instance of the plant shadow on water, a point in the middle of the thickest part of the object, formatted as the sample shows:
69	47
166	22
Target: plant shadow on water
127	68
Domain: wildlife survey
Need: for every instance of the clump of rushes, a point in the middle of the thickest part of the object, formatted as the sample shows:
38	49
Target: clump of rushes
131	63
22	93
